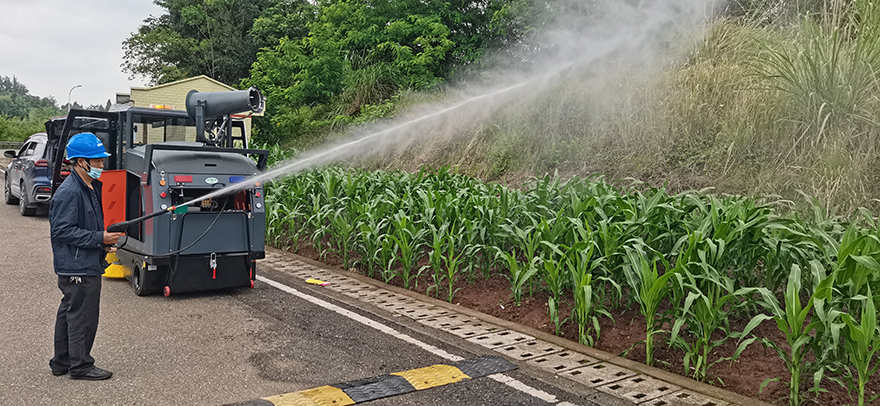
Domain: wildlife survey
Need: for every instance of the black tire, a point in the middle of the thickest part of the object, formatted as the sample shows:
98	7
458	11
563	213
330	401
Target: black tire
137	281
7	193
23	203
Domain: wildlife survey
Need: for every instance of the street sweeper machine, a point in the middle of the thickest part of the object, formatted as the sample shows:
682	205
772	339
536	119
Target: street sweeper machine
162	164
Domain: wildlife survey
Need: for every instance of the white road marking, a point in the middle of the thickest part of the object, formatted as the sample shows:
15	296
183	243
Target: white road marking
511	382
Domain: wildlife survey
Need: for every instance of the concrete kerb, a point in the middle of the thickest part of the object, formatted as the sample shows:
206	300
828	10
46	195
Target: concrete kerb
602	356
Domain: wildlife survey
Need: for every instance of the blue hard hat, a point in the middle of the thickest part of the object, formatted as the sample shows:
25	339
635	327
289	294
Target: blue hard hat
85	145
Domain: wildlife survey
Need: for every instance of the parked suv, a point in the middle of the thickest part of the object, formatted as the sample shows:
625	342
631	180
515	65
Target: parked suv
28	180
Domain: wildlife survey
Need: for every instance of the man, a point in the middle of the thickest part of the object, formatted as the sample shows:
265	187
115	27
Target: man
79	244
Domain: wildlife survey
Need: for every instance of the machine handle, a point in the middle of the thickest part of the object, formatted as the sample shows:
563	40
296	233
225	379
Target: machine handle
124	225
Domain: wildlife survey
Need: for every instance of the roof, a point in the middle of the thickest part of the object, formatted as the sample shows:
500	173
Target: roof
177	82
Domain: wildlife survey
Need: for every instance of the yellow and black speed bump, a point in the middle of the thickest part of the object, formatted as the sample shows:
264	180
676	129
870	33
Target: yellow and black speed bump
482	366
378	387
398	383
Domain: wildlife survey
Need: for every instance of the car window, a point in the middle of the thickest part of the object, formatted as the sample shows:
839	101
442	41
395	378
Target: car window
40	150
30	148
24	149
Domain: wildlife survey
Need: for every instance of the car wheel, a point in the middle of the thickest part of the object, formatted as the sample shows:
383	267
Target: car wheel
23	203
7	192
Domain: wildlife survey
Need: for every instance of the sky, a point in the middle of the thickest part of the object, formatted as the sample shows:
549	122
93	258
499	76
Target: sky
54	45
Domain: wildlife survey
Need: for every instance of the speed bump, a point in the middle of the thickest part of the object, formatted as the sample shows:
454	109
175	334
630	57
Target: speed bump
434	375
398	383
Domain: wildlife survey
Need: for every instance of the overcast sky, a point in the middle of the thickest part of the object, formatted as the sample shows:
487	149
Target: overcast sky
53	45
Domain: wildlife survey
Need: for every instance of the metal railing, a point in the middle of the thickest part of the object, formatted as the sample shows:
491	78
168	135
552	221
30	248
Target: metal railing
10	145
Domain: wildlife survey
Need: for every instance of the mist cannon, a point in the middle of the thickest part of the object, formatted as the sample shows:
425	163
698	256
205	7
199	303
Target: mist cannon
205	106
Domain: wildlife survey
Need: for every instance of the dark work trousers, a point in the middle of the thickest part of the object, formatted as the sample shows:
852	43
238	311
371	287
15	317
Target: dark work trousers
76	324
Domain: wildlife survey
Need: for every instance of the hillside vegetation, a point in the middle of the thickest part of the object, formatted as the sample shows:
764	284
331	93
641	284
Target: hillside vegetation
774	97
757	108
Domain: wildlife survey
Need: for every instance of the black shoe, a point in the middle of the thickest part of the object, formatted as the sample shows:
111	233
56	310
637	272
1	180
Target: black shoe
59	373
95	374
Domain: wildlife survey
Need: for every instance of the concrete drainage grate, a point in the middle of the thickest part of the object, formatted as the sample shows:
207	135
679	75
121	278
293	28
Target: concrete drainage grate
686	398
367	294
472	329
408	307
501	338
347	286
391	304
639	388
385	296
598	374
528	350
355	292
562	361
449	320
419	310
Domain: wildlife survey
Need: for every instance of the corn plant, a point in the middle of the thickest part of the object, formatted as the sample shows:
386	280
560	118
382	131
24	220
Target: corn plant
519	273
610	236
342	229
554	279
475	249
385	257
711	297
527	241
580	265
861	340
317	223
435	259
408	239
649	288
791	320
368	241
277	214
452	262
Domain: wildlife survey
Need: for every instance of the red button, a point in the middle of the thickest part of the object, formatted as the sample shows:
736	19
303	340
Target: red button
257	194
163	195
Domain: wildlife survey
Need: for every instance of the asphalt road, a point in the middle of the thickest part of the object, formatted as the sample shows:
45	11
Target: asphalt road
214	348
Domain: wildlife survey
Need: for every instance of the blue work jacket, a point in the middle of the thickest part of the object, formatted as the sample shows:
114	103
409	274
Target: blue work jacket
76	218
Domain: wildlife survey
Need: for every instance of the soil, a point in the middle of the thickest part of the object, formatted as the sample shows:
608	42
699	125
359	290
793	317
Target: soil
624	335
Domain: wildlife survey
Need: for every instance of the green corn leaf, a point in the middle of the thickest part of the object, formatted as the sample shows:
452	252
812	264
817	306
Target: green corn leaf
767	382
742	346
755	322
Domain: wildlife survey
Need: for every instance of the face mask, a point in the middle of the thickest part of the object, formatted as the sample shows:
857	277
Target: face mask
94	173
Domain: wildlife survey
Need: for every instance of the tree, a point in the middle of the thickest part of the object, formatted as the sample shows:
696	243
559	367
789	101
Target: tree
209	37
16	100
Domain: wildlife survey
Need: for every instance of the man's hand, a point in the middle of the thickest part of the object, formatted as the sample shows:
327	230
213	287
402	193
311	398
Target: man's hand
112	238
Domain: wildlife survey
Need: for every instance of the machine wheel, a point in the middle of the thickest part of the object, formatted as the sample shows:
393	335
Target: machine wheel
137	281
166	291
7	193
23	203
